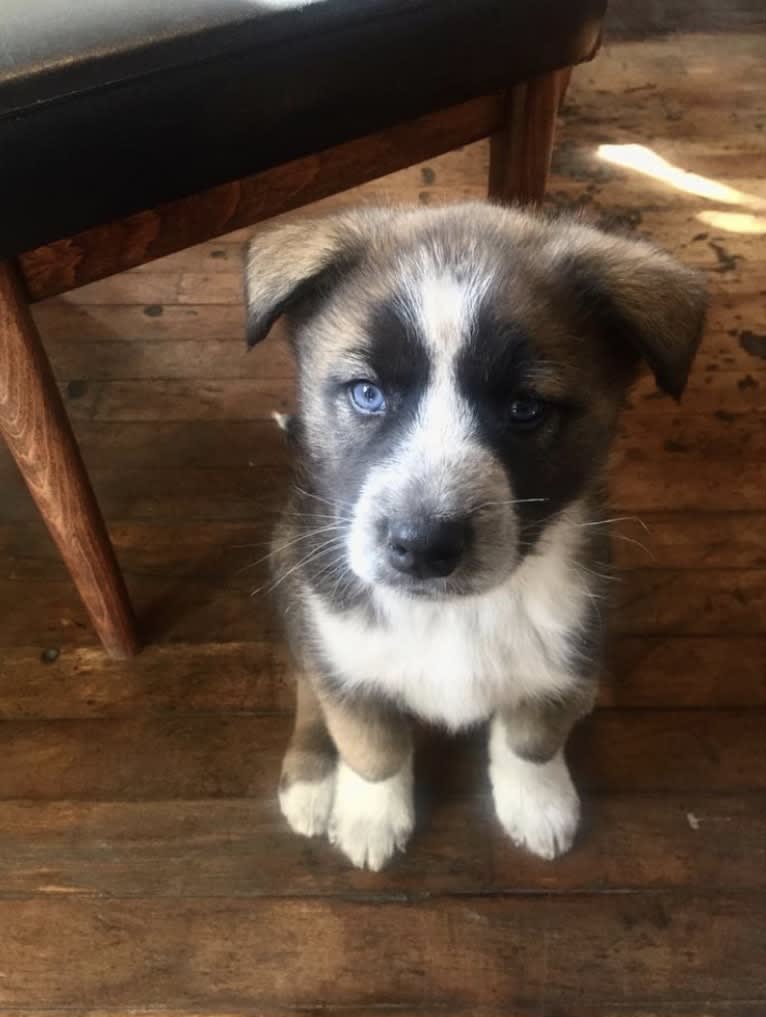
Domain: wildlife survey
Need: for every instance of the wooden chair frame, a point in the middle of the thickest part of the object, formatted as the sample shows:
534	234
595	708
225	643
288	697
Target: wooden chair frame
33	419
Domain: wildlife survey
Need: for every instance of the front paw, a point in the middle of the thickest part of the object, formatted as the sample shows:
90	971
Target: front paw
537	804
306	805
371	820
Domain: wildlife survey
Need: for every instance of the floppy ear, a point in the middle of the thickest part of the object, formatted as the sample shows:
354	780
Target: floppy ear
638	296
289	262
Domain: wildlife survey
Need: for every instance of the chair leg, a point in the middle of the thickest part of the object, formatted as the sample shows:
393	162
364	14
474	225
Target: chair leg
520	152
565	76
35	425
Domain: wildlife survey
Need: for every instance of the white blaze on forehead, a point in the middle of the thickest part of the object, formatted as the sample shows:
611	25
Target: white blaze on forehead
444	311
444	307
443	435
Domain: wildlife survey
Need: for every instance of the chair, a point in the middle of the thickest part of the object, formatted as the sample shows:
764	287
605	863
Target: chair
132	130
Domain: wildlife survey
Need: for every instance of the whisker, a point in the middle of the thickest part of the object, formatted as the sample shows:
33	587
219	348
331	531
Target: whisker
632	540
304	561
617	519
292	514
282	547
609	577
509	501
310	494
327	571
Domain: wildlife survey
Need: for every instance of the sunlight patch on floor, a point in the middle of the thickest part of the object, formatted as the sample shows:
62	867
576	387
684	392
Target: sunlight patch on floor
645	160
734	222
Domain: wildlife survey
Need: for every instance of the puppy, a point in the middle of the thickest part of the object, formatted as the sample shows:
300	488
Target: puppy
444	553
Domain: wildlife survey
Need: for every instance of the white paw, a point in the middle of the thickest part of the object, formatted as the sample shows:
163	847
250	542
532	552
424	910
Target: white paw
306	805
372	820
536	803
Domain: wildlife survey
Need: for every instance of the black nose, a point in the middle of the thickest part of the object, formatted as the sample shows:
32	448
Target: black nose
428	549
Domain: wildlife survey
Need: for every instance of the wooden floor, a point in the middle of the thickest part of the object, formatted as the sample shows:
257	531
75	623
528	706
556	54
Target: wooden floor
143	862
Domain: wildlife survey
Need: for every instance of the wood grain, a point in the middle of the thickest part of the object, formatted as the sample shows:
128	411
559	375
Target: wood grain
157	758
189	604
242	847
643	672
64	320
649	671
690	602
233	397
655	540
253	677
151	288
670	446
520	151
517	954
34	423
86	341
724	1008
164	492
105	250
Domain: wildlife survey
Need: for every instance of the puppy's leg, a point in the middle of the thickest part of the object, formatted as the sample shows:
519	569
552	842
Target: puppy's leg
307	784
373	813
535	799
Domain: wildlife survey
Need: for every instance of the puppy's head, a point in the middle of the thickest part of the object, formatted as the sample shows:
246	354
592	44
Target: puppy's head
460	372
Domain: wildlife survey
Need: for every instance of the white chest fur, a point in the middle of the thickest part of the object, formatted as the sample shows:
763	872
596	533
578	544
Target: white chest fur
455	662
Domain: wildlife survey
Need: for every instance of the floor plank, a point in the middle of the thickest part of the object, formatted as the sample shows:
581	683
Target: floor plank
235	444
654	540
688	483
257	398
81	682
152	758
524	953
240	848
188	604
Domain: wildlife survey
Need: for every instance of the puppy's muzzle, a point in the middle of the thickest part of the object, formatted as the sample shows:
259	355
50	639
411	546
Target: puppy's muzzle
427	548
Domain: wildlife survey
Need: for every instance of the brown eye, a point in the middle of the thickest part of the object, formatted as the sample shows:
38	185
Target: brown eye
526	412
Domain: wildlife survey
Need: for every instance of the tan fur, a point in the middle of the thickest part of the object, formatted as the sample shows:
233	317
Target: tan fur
372	739
537	729
311	755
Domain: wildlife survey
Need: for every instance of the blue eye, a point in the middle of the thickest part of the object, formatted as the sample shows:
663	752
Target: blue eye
526	412
366	397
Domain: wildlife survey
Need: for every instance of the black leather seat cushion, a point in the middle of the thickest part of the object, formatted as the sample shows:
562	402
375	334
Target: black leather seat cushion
111	106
